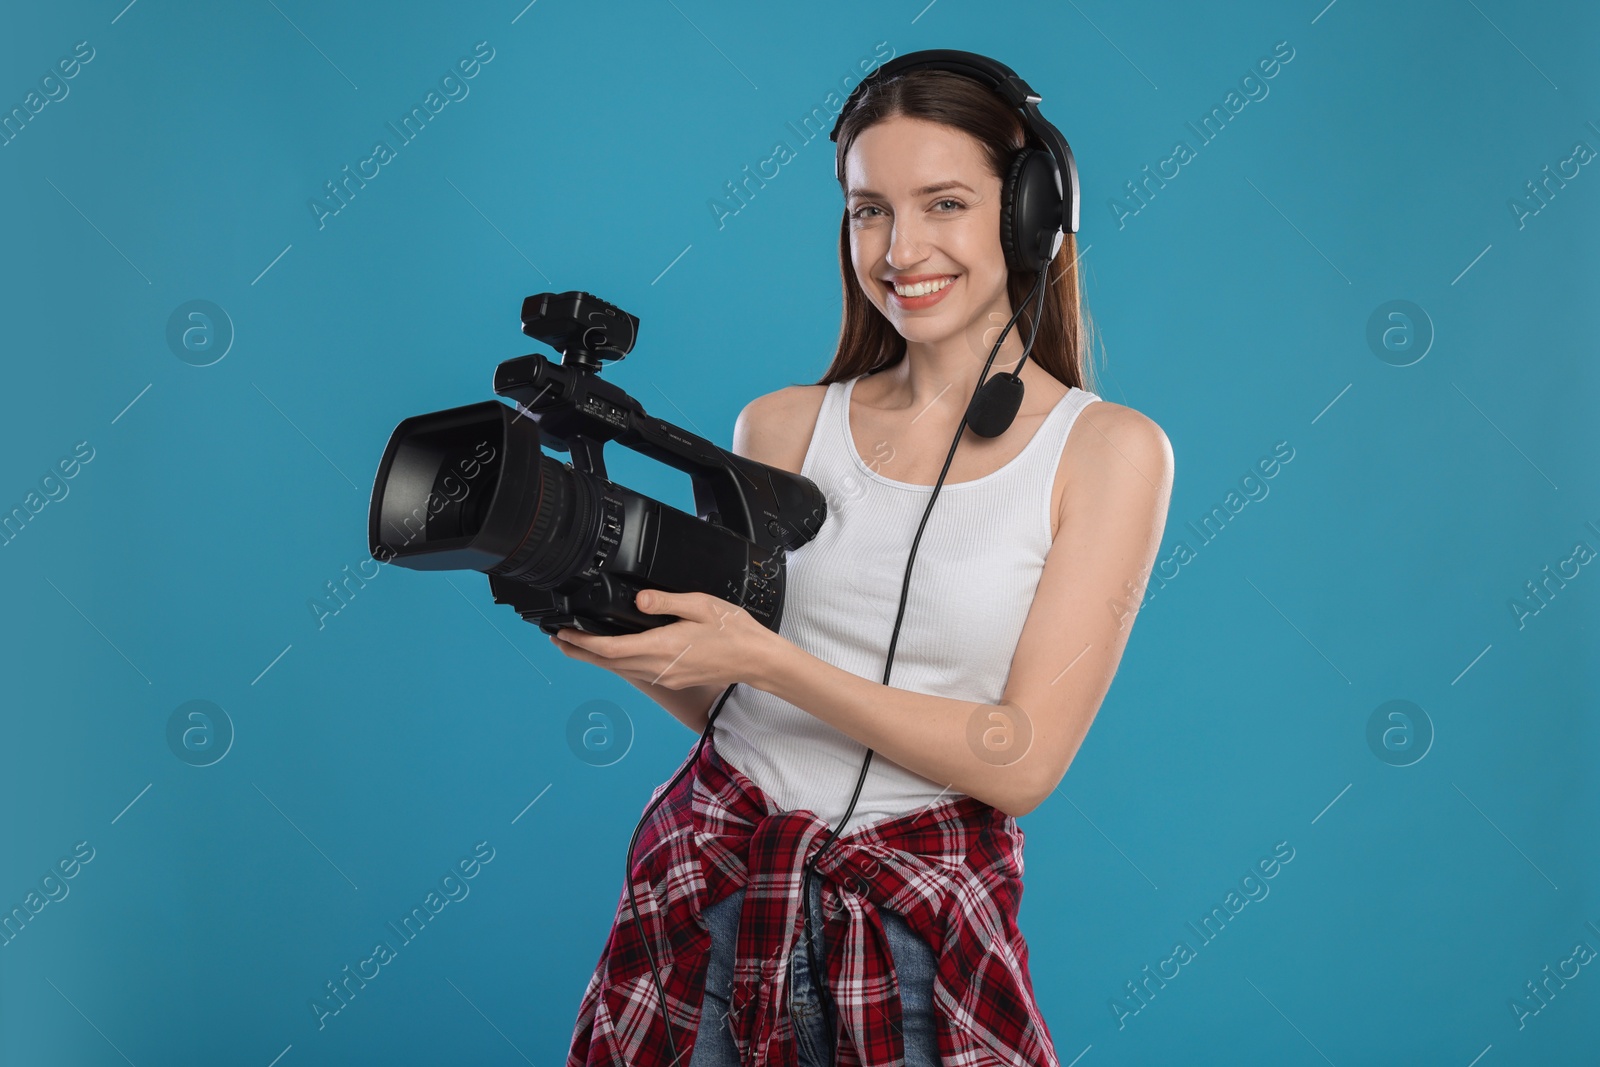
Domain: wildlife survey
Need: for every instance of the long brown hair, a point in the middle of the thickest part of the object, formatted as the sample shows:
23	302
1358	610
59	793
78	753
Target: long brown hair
867	340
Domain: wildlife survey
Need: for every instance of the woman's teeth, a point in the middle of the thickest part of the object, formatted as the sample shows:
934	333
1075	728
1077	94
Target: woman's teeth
922	288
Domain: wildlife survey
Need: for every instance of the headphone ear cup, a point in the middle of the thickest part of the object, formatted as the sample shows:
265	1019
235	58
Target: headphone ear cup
1030	210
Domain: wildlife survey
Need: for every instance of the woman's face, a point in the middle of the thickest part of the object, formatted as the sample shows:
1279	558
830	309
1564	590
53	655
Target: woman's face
923	207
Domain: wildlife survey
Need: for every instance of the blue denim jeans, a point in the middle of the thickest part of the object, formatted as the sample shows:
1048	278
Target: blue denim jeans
813	1015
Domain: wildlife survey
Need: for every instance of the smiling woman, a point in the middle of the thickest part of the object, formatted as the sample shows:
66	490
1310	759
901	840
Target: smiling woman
960	210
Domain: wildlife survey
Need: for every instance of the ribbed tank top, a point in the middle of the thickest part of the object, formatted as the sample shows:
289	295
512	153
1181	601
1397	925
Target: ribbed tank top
977	567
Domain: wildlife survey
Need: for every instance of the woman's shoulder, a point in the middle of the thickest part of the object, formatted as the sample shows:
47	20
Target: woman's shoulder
1115	433
776	428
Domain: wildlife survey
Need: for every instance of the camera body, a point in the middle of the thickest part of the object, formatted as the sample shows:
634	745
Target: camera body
471	488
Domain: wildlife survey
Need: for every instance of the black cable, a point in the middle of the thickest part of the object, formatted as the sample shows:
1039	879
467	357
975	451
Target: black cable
808	867
905	587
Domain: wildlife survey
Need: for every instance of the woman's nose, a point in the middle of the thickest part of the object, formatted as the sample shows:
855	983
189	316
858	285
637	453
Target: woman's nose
906	245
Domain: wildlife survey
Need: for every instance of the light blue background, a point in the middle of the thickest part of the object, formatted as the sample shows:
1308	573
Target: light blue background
373	753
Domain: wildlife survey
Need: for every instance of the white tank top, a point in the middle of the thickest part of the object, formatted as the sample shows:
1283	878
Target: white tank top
977	567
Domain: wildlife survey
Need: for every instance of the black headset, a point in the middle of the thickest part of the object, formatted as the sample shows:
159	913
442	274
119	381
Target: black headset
1038	208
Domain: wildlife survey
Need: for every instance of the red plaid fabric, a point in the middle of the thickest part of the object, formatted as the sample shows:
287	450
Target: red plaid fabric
954	871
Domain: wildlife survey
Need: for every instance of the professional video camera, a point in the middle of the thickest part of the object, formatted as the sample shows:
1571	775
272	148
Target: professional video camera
469	488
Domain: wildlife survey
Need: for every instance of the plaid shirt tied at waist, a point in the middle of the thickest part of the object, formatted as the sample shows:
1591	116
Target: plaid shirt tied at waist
953	870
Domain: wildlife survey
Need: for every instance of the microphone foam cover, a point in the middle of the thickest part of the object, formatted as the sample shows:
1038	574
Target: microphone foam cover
991	412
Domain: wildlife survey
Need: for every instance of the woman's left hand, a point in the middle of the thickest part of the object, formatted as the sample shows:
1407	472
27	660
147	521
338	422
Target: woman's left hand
715	642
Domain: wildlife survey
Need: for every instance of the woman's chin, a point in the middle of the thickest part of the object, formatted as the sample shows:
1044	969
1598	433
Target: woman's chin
923	336
926	329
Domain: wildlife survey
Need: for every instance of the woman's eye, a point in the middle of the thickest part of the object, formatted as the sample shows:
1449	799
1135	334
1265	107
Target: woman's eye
946	206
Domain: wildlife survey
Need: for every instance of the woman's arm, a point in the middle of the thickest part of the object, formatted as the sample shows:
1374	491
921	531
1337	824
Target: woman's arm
1010	755
692	706
1013	754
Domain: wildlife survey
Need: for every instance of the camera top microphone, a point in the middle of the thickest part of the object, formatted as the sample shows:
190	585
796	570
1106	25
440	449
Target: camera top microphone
583	328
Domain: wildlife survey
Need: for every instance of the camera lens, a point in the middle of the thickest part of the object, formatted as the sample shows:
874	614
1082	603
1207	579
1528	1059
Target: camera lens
463	501
470	488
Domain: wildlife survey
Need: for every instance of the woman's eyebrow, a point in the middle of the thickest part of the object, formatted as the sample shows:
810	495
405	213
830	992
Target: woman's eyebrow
937	187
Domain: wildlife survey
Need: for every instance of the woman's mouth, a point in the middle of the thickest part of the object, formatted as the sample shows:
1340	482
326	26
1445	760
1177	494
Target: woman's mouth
921	294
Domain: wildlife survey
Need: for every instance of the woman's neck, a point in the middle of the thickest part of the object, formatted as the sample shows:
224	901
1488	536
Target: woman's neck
945	375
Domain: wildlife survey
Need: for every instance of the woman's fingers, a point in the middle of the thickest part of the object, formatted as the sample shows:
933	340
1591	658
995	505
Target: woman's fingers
573	650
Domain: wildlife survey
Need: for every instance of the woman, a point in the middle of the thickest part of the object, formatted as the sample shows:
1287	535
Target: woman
1023	602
